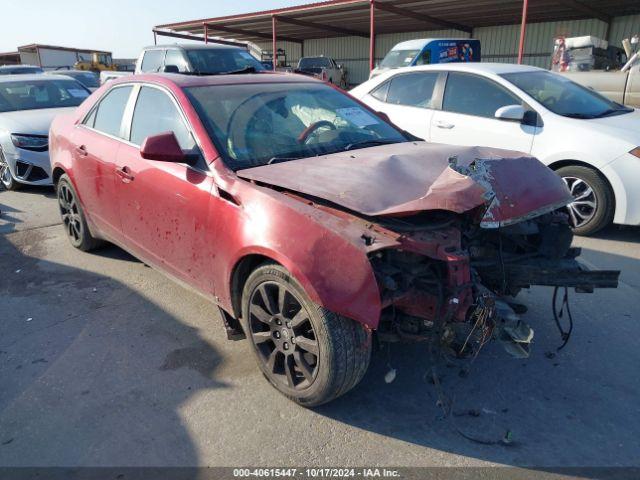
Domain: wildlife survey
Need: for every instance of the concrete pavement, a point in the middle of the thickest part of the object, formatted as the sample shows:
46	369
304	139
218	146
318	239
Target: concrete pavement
103	362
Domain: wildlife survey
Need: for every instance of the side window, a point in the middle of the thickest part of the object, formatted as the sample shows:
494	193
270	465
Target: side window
413	89
91	119
152	60
424	58
474	95
108	115
155	113
380	93
176	57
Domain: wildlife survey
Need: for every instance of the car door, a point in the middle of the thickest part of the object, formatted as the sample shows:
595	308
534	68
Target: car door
409	100
98	139
468	112
164	205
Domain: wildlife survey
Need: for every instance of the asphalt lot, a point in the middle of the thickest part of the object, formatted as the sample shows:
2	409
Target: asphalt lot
105	362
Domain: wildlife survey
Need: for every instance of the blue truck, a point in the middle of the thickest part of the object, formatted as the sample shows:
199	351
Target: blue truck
425	51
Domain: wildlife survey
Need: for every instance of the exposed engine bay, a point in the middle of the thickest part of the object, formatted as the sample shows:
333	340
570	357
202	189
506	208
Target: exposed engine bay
455	282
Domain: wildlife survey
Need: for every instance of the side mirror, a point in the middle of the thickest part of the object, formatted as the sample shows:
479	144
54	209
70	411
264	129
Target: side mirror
513	113
384	116
339	66
170	69
163	147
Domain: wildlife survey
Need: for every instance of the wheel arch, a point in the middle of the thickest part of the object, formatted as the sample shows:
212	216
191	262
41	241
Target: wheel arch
579	163
249	261
318	280
56	174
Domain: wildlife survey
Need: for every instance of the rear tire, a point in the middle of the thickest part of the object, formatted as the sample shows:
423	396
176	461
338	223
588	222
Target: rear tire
73	218
308	353
594	203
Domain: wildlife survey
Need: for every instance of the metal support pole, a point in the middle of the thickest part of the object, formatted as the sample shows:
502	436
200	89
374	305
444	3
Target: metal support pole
273	42
523	30
372	35
155	38
206	33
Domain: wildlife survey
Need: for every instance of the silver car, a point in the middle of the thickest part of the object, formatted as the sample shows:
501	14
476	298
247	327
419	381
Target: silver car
28	104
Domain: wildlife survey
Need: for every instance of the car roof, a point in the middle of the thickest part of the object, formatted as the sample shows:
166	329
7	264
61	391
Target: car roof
472	67
3	67
208	46
421	42
183	81
31	76
66	72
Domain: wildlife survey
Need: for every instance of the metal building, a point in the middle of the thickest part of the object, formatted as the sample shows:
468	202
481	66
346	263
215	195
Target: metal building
358	33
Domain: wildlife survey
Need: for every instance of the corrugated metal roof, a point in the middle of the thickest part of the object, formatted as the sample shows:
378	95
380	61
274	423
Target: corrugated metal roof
336	18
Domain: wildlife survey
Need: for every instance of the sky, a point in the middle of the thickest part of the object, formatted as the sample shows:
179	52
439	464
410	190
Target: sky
120	26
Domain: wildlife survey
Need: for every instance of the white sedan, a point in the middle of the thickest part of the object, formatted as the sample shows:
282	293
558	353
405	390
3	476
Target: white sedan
592	142
28	104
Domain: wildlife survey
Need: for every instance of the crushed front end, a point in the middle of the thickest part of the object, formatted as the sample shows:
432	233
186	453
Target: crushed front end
454	278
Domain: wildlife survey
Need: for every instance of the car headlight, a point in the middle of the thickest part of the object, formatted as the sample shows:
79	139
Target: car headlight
39	143
635	152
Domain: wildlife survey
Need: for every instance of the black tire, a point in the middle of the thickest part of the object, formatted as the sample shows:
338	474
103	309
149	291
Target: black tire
6	178
73	218
343	346
603	212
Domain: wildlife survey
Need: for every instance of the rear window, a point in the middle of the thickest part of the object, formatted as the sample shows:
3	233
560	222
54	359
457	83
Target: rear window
314	62
152	60
222	60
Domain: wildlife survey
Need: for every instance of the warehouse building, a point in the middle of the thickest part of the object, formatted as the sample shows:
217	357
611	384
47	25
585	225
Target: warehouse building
51	57
358	33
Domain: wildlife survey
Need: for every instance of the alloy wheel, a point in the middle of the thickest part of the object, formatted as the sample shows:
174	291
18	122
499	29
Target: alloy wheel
283	335
5	173
584	205
70	213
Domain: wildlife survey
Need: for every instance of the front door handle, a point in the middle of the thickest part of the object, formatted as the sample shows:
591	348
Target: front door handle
125	174
81	150
441	124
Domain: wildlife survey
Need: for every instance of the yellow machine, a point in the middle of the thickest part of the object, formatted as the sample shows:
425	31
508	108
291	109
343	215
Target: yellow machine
99	62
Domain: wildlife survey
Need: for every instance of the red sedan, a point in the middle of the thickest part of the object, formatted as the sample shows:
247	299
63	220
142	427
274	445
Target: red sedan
311	221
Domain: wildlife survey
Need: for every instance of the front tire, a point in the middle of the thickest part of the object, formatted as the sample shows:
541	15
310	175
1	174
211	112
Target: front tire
593	205
6	178
308	353
73	219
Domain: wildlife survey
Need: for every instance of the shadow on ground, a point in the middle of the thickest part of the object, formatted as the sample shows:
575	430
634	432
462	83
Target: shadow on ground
575	407
92	372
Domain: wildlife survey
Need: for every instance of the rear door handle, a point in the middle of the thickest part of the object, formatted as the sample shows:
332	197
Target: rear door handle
125	174
81	150
441	124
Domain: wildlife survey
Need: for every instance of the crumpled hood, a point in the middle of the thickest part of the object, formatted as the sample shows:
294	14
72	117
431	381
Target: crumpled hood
406	178
35	122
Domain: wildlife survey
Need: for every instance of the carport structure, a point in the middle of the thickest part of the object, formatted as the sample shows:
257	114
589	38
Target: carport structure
365	20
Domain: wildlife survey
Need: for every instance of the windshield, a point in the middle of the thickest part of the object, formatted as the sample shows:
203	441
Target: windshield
222	60
399	58
314	62
35	94
564	97
256	124
20	70
88	79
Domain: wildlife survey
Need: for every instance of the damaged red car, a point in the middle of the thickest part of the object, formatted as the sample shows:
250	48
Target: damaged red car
312	222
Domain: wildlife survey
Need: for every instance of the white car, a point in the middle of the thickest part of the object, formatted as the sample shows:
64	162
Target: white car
28	104
592	142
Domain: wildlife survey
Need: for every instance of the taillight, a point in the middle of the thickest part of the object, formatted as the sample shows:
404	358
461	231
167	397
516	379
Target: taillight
324	75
